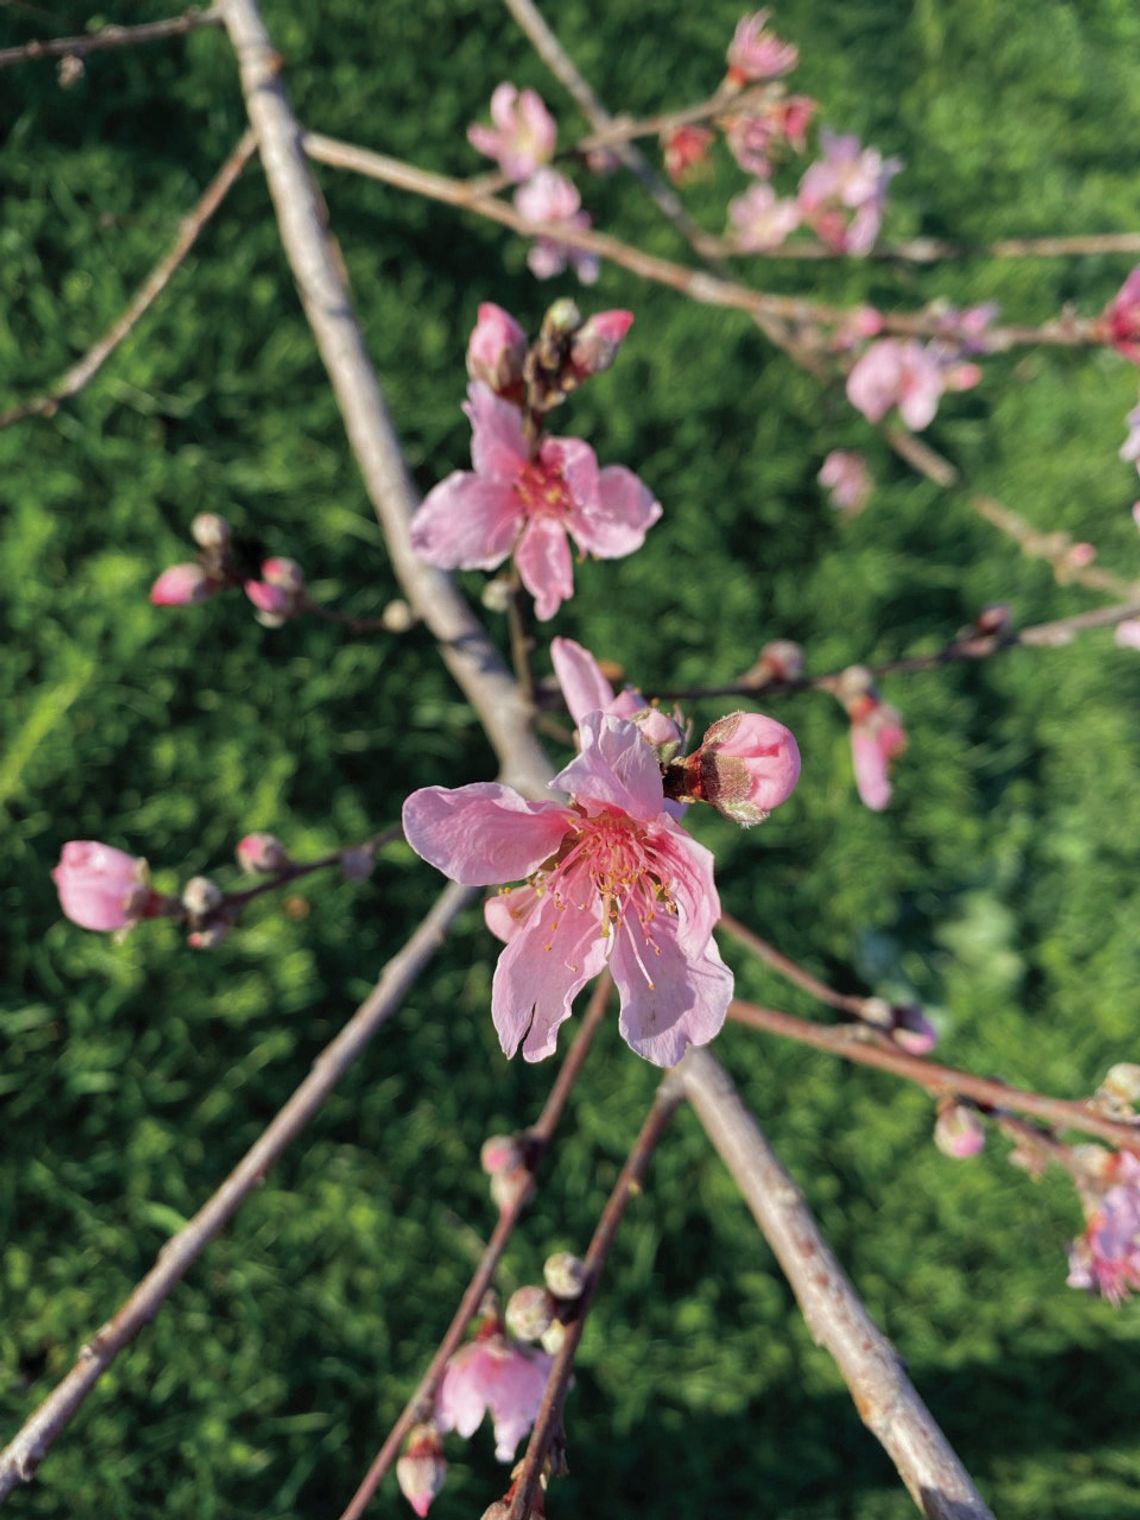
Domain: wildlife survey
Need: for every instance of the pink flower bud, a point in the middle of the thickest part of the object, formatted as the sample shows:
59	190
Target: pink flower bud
846	476
659	731
261	854
280	592
1127	634
686	150
183	586
496	351
422	1471
285	573
209	938
756	54
995	619
877	740
564	1274
500	1153
793	117
747	764
100	887
507	1188
959	1132
200	896
209	531
783	660
1082	555
1123	317
529	1313
913	1031
594	347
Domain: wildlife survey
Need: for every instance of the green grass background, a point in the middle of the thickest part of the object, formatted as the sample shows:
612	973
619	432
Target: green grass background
1000	888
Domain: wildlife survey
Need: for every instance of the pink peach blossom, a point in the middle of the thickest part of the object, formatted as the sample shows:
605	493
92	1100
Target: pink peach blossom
1106	1258
496	351
1123	316
760	219
845	474
685	150
513	503
959	1132
183	586
755	54
100	887
877	739
611	879
586	690
550	197
523	135
793	115
898	373
844	194
751	139
746	765
496	1375
595	345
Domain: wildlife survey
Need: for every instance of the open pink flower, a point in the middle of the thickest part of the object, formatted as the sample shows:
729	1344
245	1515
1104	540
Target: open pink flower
611	879
1106	1258
877	740
496	1375
755	54
844	194
586	690
897	373
760	219
100	887
845	474
550	197
1123	316
512	502
523	135
183	586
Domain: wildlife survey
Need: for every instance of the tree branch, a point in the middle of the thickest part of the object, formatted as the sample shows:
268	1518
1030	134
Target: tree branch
842	1002
85	370
884	1396
110	37
19	1460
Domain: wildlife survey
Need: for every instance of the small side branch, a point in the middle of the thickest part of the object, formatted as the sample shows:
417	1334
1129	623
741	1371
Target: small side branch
110	37
842	1002
887	1401
83	372
20	1459
536	1142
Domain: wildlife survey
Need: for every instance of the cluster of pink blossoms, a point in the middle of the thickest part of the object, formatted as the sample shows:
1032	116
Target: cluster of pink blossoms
1106	1258
913	376
529	495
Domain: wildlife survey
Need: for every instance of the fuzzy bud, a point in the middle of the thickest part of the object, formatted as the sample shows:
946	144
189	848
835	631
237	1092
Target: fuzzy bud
685	150
782	659
261	854
553	1337
200	896
496	351
100	887
280	592
913	1031
183	586
209	938
507	1188
529	1315
995	619
595	345
211	532
500	1153
1121	1085
878	1012
959	1132
397	616
565	1275
746	765
497	594
422	1471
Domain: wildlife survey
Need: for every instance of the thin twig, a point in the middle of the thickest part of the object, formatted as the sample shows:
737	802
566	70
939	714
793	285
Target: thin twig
628	1185
19	1460
864	1047
466	649
887	1401
536	1142
842	1002
110	37
922	250
84	371
1054	634
234	903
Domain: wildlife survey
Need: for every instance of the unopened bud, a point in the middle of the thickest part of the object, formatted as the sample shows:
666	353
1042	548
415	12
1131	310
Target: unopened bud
397	616
507	1188
561	319
421	1471
746	765
500	1153
913	1031
877	1011
279	593
496	350
1121	1084
209	531
183	586
594	347
358	864
995	619
529	1313
663	733
209	938
261	854
497	594
200	896
71	70
553	1337
959	1132
565	1275
783	660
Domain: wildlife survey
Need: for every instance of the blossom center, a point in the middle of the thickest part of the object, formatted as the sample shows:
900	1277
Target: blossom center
610	859
543	491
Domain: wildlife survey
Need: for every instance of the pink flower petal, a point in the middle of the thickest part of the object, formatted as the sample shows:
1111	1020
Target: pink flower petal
616	768
467	523
871	769
616	521
691	886
584	687
482	834
544	564
541	972
498	445
669	1001
508	912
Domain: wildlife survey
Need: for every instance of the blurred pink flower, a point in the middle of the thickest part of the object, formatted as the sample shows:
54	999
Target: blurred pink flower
523	135
280	593
1128	634
959	1132
1106	1258
595	345
100	887
761	220
612	880
421	1471
893	372
496	351
551	197
685	150
877	740
847	179
496	1375
755	54
792	116
1123	316
530	506
1130	448
845	474
751	138
183	586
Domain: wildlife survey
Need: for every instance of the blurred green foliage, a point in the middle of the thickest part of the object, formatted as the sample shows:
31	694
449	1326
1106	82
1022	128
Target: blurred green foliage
1000	888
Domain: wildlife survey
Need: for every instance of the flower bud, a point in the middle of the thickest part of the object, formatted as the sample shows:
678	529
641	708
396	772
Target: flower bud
562	318
529	1315
280	592
397	616
783	660
261	854
994	619
507	1188
422	1470
183	586
100	887
565	1275
662	733
209	938
1080	556
497	594
500	1153
913	1031
878	1012
496	351
1121	1084
685	150
959	1132
553	1337
1123	318
211	532
594	347
200	896
359	863
746	765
